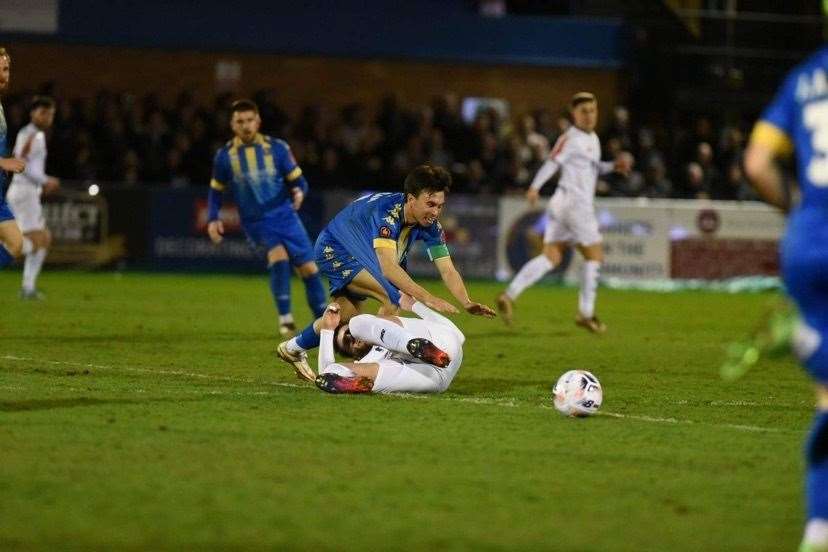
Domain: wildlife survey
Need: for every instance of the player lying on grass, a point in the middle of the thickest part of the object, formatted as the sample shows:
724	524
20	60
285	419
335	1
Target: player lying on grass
392	354
363	253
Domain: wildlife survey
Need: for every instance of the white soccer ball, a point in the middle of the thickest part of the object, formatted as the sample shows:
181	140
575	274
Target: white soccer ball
578	393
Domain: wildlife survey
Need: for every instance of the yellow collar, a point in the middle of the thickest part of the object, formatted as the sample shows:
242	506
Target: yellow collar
258	139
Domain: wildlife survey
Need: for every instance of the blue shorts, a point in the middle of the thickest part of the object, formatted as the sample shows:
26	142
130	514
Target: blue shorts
281	227
805	273
5	212
340	267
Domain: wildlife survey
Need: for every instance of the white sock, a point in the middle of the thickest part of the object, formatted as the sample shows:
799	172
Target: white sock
28	246
31	268
294	347
286	318
816	534
381	332
529	273
589	288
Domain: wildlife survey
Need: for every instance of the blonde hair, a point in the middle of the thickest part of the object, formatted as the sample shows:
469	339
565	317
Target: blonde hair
581	97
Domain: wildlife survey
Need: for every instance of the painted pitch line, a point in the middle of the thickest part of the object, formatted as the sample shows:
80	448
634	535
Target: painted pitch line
503	402
151	371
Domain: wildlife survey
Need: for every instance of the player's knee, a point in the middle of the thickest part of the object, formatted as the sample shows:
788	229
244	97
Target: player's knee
308	269
277	254
360	324
14	245
553	254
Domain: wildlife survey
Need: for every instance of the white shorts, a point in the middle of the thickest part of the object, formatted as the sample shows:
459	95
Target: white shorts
395	376
571	220
24	202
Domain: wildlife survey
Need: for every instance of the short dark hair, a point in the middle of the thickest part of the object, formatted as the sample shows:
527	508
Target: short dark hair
244	105
427	178
42	101
337	349
581	97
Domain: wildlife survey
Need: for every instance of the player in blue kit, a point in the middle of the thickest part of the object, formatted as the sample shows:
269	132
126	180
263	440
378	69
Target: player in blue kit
268	187
12	242
797	120
363	254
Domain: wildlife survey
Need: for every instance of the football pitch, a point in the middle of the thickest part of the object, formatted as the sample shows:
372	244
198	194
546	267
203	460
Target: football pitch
148	411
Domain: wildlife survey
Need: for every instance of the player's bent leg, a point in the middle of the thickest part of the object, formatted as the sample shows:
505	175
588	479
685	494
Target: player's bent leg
11	242
314	290
528	275
394	377
364	284
41	240
278	267
394	337
348	378
593	257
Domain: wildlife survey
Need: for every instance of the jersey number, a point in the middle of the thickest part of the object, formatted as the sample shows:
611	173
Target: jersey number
816	119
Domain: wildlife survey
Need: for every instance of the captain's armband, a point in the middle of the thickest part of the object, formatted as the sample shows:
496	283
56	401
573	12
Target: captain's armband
437	252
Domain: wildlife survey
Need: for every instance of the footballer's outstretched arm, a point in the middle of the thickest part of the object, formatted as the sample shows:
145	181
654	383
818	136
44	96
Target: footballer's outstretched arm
454	282
392	270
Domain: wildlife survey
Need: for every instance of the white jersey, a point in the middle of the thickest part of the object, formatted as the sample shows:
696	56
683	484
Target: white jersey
30	146
24	192
578	154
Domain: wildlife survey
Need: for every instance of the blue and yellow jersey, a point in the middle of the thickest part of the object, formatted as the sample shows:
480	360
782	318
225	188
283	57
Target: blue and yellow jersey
377	221
260	175
797	120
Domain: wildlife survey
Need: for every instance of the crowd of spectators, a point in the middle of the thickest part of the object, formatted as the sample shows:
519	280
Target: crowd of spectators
145	141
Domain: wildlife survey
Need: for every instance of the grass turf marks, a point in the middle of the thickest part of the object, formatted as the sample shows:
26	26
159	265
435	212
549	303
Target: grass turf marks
148	410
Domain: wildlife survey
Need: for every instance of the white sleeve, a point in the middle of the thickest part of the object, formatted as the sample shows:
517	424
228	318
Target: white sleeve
432	316
546	171
326	350
32	150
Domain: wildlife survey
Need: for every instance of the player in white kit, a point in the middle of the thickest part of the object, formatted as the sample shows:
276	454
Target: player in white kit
395	354
577	154
26	188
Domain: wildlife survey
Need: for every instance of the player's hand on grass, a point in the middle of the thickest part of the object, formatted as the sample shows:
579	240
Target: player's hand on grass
215	229
298	198
479	309
330	318
532	196
440	305
12	164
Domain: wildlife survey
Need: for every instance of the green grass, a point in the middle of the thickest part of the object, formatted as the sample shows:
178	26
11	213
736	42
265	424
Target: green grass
147	411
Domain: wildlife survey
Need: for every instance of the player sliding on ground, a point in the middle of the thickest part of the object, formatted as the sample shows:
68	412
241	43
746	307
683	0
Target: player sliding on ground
363	252
577	154
392	354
